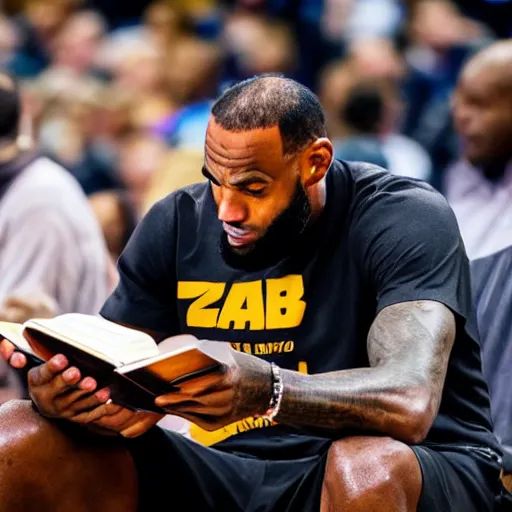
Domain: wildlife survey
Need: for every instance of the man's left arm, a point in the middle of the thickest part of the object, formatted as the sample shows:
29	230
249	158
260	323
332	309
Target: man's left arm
409	346
409	248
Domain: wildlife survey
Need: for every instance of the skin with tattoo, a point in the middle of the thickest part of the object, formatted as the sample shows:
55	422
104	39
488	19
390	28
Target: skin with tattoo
409	346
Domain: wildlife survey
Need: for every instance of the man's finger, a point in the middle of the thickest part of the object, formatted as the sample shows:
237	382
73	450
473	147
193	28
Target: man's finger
69	380
79	401
141	426
18	360
100	412
44	373
6	349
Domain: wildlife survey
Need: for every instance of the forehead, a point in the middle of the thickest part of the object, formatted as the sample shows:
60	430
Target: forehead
235	150
486	79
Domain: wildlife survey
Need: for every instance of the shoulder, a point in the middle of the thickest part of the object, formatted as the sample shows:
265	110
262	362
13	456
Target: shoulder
46	184
187	199
375	187
182	205
47	192
47	175
396	207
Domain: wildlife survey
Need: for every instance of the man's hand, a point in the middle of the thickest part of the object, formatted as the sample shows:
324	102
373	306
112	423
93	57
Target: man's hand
60	392
235	392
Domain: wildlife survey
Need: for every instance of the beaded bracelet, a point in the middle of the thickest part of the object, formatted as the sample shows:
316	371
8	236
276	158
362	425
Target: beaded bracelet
277	393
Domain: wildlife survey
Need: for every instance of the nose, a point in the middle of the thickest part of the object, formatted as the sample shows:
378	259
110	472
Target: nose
462	116
231	207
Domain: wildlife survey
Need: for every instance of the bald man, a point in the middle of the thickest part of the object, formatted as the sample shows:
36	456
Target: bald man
344	292
479	186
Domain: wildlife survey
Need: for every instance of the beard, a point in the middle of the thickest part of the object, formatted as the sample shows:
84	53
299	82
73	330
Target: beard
278	241
495	170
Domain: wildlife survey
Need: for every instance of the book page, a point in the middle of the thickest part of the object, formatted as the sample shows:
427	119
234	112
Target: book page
219	350
107	340
177	349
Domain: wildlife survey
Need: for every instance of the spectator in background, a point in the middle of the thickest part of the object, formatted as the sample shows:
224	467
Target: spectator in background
363	117
37	26
139	69
52	255
69	129
141	155
117	218
378	59
479	186
193	73
49	239
259	44
441	40
9	40
180	168
75	48
375	61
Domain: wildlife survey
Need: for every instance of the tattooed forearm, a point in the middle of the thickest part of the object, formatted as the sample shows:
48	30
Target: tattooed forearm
409	345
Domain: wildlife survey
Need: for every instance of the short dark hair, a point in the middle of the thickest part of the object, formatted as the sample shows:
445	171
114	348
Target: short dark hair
10	106
272	100
364	108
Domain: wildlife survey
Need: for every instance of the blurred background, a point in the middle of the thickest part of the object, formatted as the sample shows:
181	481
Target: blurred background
119	92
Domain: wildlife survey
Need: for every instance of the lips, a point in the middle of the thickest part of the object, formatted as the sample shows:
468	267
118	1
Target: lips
239	237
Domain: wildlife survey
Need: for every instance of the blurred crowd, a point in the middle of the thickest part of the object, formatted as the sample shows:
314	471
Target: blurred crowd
112	93
119	93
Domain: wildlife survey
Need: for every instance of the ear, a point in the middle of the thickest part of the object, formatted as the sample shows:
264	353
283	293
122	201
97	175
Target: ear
315	161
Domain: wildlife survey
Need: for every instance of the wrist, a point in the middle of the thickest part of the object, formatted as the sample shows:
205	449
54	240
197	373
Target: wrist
255	385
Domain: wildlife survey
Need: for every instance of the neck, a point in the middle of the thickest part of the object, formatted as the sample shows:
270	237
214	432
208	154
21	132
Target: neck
9	151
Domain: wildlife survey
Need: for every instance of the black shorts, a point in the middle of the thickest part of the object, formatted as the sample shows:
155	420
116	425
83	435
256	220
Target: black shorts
178	474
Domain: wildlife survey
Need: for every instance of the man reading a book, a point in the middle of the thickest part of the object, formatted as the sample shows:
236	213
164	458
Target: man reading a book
344	292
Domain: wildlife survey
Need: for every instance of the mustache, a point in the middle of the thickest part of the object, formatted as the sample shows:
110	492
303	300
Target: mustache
236	228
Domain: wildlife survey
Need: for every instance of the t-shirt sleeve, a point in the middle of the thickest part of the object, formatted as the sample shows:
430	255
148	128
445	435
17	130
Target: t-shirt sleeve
145	296
409	248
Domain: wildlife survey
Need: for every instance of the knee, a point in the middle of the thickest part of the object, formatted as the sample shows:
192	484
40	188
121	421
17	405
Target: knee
26	439
20	426
368	473
41	462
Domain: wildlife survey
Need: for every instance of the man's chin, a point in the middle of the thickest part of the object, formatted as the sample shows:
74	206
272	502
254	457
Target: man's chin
241	250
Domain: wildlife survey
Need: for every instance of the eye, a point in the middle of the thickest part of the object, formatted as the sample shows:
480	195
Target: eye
255	189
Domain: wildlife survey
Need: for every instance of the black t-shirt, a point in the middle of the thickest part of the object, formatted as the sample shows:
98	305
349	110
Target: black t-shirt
381	240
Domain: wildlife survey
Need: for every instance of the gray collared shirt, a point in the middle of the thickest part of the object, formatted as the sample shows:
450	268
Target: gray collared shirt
483	208
50	241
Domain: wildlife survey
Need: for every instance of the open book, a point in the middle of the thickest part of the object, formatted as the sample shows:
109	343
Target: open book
128	361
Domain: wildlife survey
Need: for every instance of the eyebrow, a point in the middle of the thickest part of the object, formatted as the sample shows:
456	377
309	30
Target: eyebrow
248	178
209	176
